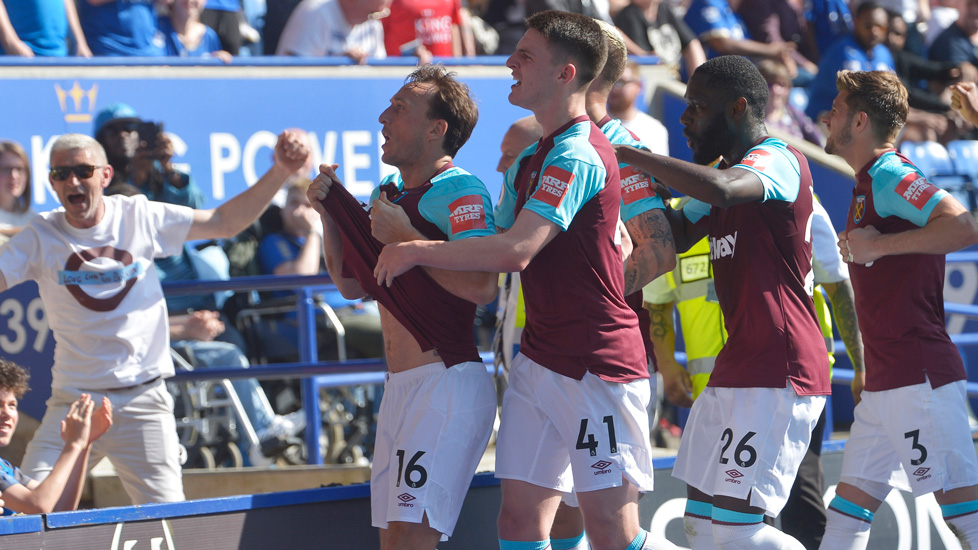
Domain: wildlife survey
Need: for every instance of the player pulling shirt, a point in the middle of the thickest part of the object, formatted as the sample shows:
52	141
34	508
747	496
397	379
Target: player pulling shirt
434	422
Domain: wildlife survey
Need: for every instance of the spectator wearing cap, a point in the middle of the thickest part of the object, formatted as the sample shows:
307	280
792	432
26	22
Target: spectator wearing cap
143	161
121	28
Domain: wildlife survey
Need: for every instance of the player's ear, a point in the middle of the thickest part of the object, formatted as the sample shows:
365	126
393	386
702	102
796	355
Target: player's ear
438	128
738	108
567	73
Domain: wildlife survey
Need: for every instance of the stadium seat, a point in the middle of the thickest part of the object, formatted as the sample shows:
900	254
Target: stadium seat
936	163
964	156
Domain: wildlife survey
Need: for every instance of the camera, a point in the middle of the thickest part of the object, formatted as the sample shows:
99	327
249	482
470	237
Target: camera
149	133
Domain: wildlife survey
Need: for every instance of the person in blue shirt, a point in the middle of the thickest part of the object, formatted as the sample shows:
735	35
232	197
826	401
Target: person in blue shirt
297	250
722	32
121	28
186	36
862	51
828	20
40	27
61	490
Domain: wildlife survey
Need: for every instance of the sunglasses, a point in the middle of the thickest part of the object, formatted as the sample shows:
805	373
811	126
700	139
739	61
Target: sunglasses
83	171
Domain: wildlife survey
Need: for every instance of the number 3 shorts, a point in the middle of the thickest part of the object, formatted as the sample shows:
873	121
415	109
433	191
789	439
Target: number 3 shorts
432	430
915	438
747	441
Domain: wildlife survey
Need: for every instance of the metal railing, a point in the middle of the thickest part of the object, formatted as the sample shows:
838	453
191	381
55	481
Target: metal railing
317	374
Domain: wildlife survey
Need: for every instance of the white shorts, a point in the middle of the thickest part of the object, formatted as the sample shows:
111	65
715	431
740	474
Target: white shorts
432	430
570	499
142	443
742	442
564	434
915	438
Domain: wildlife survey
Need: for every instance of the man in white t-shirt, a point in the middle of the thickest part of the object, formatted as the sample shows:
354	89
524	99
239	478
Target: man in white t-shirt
335	28
622	105
92	260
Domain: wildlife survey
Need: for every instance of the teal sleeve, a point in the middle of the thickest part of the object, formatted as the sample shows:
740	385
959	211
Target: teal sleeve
460	207
505	213
637	193
563	187
777	169
695	210
902	191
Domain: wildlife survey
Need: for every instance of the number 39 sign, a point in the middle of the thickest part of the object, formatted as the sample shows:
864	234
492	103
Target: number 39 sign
26	340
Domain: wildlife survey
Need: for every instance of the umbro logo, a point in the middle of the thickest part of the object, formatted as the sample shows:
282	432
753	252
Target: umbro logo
405	497
601	467
921	471
732	476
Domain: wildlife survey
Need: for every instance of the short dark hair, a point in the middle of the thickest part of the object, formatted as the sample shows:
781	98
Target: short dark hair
880	95
14	378
451	101
736	77
573	37
865	7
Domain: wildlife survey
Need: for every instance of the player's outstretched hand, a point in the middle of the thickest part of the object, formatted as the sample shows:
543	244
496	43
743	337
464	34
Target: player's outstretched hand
389	223
101	420
290	151
394	260
76	427
320	186
964	99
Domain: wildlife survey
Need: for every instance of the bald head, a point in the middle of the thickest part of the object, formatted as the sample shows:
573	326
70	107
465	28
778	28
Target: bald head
523	133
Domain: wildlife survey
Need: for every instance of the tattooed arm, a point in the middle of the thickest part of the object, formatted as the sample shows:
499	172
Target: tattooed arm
654	251
675	380
844	312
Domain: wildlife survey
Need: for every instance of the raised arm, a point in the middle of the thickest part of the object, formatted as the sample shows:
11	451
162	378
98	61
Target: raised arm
61	490
332	242
949	228
236	214
722	188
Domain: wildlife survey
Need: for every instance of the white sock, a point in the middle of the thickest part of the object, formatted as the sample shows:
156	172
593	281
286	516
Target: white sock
962	518
699	530
644	541
847	526
753	536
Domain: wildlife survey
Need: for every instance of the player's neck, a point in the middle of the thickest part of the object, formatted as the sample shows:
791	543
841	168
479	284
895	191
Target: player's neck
417	174
597	108
560	111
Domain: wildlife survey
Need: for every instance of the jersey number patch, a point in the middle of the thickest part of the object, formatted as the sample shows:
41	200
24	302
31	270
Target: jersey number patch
586	440
742	449
414	475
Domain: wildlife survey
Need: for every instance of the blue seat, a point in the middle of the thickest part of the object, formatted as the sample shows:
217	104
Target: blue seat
937	165
964	156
